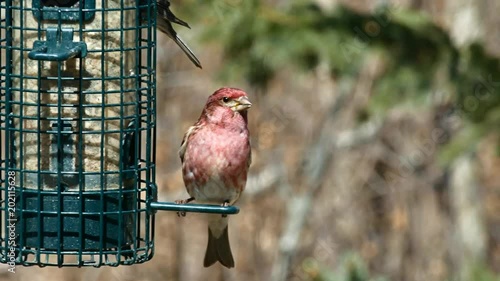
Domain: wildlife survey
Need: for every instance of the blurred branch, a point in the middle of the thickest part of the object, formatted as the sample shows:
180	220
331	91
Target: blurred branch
318	158
470	230
363	134
267	178
272	174
317	161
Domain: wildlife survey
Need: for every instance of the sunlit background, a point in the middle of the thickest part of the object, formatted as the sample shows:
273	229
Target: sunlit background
375	139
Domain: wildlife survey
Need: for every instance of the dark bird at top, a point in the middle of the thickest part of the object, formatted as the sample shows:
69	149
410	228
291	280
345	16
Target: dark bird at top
164	22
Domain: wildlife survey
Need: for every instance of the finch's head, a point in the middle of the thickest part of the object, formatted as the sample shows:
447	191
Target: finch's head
232	98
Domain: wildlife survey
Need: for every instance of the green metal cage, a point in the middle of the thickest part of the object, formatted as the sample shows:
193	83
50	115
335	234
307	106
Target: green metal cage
77	129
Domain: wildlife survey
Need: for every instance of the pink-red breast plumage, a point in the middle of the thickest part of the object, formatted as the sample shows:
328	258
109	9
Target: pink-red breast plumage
216	155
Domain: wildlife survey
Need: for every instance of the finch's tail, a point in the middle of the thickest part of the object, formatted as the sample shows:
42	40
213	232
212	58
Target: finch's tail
218	249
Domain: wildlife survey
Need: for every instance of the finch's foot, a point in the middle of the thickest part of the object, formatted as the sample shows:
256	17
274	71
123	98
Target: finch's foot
225	204
183	201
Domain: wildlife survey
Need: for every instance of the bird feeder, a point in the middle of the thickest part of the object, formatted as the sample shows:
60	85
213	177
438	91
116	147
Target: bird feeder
78	133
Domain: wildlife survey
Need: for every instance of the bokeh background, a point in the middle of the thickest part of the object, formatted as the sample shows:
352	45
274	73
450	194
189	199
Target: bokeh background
375	139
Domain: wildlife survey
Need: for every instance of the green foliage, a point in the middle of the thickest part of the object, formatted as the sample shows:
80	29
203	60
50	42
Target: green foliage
482	273
466	140
478	84
399	88
351	268
259	40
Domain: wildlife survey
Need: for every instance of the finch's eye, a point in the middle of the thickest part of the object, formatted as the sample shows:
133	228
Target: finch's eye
225	99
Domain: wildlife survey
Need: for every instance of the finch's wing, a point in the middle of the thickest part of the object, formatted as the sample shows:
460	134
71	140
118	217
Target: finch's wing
249	160
185	140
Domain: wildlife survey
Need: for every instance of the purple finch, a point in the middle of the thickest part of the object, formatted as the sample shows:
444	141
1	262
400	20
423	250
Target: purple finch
216	155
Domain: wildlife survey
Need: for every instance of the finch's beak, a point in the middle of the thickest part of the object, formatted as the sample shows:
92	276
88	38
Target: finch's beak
241	104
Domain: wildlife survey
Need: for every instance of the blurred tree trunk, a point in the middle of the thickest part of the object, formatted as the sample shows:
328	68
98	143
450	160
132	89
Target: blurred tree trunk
469	239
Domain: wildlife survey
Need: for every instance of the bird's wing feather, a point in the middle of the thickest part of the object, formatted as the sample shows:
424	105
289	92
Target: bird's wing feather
163	8
187	51
164	24
184	142
249	159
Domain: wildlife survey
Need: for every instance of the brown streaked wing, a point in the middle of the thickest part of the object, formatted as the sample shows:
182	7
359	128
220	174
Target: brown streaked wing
188	133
